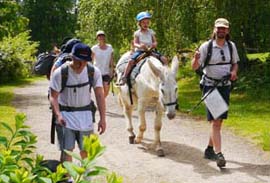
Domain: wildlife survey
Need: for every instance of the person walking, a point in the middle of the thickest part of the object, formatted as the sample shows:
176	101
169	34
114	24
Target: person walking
144	40
222	64
102	54
72	104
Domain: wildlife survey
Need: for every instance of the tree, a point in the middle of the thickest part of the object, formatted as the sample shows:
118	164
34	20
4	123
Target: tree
50	20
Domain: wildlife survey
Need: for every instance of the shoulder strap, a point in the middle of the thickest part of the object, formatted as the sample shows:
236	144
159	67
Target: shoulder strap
230	49
90	71
64	76
209	53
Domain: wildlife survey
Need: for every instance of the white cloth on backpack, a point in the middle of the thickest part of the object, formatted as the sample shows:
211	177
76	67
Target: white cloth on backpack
217	71
79	97
102	58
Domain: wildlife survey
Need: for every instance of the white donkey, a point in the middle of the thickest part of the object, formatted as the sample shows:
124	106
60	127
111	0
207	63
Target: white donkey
154	86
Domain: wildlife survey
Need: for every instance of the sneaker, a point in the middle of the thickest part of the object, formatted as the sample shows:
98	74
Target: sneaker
209	153
221	162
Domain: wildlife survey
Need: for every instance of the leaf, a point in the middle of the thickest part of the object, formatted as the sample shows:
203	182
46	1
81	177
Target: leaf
74	155
45	180
4	178
3	141
7	127
69	167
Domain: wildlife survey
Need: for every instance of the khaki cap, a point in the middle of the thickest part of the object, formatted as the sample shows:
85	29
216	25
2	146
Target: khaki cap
100	32
222	22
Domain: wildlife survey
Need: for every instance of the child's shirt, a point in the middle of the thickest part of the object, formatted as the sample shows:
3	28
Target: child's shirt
144	37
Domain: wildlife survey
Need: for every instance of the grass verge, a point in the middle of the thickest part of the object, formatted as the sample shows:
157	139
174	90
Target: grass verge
7	111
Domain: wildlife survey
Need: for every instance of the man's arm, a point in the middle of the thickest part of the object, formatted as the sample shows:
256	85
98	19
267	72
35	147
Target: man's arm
234	72
55	106
99	94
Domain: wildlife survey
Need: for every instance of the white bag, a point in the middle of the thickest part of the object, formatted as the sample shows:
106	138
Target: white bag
216	104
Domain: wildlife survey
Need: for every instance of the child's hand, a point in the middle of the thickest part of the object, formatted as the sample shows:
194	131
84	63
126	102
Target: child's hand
143	46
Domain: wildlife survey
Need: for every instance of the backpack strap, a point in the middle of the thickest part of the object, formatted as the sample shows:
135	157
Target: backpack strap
230	49
90	71
209	53
64	77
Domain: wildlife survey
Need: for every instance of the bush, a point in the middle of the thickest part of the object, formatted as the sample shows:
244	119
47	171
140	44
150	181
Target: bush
17	163
16	53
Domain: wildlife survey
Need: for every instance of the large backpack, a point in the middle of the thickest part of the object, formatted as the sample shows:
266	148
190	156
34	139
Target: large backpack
199	71
44	63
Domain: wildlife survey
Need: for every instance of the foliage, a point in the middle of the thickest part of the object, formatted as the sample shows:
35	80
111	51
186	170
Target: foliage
16	54
17	164
11	21
50	21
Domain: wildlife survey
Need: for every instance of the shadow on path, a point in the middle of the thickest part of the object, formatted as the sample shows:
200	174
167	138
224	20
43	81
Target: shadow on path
182	153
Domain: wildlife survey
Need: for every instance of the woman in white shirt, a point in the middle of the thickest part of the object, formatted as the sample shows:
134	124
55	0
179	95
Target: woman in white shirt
102	54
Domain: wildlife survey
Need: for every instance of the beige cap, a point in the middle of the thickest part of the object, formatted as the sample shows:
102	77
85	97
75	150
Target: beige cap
222	22
100	32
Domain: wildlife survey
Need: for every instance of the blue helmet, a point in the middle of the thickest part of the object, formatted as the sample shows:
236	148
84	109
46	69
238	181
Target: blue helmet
143	15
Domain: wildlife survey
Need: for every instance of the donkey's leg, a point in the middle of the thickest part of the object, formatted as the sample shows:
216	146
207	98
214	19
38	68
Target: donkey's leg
142	122
158	126
127	109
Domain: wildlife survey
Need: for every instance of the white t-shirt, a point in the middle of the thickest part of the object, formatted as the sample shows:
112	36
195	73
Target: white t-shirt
217	71
102	58
145	37
79	97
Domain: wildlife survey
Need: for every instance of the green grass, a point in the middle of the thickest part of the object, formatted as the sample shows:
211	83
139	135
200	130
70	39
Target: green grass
249	113
261	56
7	111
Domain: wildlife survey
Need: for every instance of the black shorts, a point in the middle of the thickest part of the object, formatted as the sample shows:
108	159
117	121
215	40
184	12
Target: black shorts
225	93
106	78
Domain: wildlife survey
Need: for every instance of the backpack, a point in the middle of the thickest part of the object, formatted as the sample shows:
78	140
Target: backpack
199	71
44	63
64	77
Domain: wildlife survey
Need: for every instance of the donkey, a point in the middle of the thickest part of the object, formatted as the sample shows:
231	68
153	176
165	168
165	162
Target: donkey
154	86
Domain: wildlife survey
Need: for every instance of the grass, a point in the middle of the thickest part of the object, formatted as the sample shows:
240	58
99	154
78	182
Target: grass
7	111
249	113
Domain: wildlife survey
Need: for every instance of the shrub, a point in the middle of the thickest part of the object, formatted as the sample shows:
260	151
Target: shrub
18	164
16	54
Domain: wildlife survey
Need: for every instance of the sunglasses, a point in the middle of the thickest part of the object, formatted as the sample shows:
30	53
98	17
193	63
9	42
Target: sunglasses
222	55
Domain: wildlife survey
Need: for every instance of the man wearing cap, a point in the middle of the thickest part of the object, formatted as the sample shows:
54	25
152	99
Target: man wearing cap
102	54
222	64
77	122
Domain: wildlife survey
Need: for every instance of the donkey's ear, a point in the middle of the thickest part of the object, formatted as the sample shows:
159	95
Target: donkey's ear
154	68
175	65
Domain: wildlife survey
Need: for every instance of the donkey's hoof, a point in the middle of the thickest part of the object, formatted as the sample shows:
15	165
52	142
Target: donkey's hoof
131	139
160	153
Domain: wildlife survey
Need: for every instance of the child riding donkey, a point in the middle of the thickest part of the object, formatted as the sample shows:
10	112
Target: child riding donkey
144	42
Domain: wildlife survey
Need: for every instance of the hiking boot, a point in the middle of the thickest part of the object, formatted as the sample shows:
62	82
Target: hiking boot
221	162
209	153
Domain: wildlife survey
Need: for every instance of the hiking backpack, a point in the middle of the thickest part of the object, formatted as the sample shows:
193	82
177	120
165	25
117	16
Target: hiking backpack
44	63
199	71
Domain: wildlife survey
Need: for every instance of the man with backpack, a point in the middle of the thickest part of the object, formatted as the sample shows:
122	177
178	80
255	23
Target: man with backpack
71	104
218	59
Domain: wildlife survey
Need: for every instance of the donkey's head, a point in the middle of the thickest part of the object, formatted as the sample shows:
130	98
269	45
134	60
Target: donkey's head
167	86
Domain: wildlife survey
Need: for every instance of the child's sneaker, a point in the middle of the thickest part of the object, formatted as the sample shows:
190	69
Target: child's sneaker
221	162
209	153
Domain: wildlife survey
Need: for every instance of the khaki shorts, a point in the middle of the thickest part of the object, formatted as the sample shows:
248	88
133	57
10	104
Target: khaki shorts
69	137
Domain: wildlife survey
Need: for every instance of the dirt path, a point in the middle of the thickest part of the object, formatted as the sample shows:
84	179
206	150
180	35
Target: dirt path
183	139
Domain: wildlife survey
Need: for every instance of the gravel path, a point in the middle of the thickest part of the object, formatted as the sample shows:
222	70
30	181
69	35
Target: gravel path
183	140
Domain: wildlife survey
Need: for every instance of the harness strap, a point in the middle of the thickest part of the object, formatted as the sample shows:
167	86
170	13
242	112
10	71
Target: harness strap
171	103
78	85
73	109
